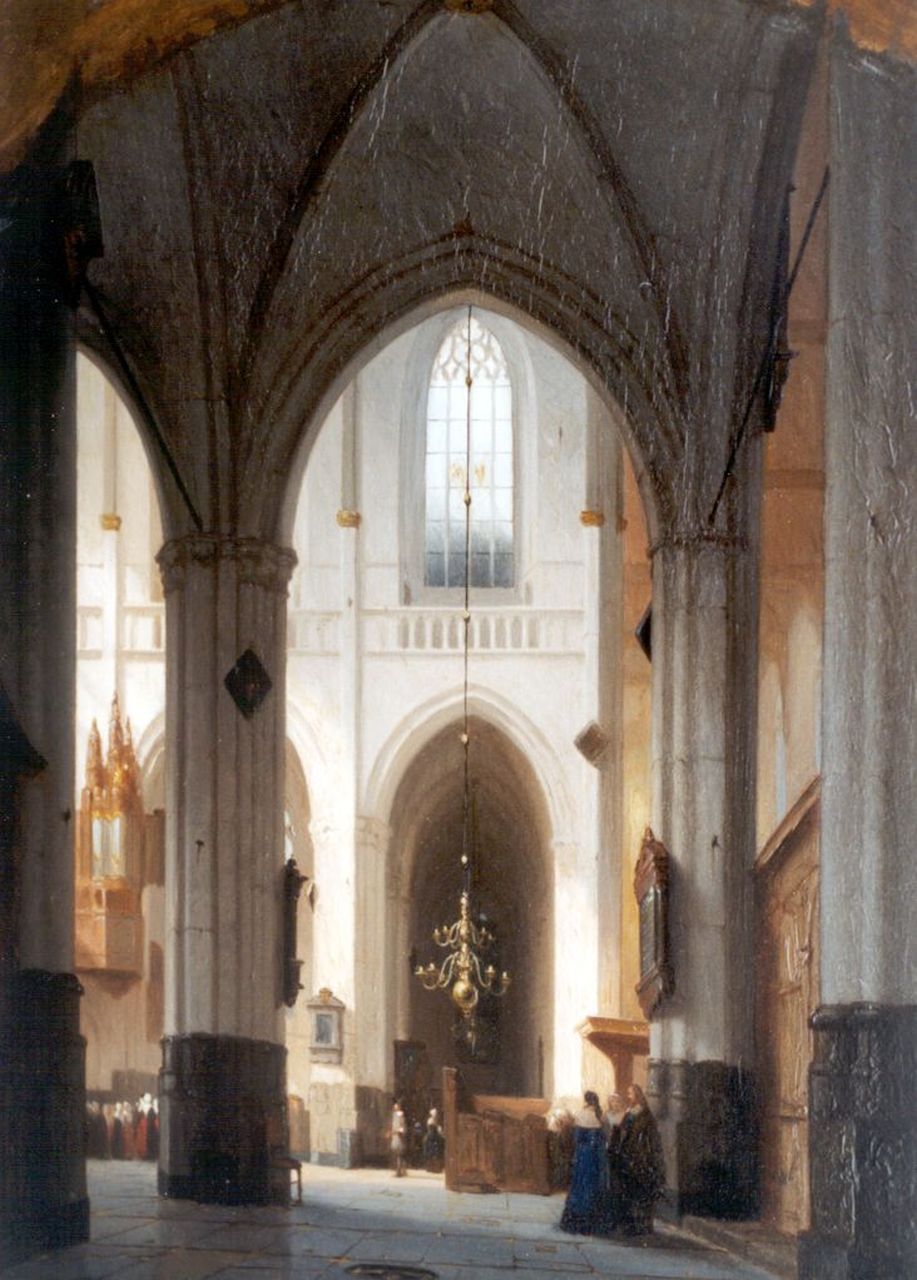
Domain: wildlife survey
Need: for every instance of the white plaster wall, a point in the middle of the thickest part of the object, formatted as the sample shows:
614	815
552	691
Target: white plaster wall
116	572
398	688
407	695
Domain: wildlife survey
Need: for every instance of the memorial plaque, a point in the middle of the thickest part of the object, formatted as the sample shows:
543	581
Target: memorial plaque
651	886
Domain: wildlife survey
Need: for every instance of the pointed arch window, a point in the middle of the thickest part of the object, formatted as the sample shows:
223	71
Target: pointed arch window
492	467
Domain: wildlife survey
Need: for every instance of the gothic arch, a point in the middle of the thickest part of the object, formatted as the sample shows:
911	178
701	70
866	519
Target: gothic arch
94	346
395	298
428	719
514	885
305	737
150	750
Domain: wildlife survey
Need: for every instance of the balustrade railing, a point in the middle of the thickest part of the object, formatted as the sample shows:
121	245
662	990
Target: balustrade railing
497	630
89	629
523	629
143	628
309	631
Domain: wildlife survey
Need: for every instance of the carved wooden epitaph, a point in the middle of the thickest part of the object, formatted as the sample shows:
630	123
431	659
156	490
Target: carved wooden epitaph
293	880
651	886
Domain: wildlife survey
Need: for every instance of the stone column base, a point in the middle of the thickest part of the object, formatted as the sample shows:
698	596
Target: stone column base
222	1103
862	1145
707	1117
43	1202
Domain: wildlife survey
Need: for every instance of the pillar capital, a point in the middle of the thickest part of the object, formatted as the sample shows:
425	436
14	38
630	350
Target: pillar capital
262	564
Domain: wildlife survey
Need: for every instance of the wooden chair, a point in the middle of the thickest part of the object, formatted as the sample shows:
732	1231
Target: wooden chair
282	1160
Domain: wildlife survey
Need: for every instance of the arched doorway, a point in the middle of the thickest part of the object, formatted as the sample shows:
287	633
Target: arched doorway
512	888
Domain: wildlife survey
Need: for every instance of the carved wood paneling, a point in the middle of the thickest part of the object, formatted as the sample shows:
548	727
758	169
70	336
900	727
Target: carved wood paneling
494	1143
788	993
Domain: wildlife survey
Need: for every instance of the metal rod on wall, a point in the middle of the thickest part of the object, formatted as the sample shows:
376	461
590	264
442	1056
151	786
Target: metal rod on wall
140	399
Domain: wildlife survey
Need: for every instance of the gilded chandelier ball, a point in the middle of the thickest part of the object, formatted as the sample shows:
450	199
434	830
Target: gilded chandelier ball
464	995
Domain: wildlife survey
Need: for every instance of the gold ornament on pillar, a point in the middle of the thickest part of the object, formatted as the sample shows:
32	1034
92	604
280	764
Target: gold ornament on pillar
462	972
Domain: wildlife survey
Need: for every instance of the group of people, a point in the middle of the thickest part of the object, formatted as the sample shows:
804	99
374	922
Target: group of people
123	1130
416	1143
618	1171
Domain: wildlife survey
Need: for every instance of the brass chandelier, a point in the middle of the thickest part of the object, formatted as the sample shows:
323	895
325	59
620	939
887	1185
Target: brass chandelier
462	972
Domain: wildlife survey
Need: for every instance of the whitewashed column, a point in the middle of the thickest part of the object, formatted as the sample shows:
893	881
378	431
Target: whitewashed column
374	963
223	1077
704	654
862	1082
603	561
576	934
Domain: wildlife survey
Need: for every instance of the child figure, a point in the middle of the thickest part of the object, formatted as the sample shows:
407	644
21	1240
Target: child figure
398	1134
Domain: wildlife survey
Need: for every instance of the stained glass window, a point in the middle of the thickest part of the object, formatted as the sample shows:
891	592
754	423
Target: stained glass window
491	487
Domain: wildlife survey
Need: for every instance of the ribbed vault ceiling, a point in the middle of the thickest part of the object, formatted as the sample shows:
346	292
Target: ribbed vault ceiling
106	44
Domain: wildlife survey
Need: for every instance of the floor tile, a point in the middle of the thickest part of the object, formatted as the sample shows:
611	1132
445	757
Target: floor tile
357	1216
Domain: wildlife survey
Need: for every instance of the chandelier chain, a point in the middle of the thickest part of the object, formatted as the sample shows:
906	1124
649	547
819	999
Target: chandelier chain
461	972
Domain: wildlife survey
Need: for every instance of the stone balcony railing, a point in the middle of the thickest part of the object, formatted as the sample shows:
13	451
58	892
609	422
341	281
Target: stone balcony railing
142	635
497	630
90	630
439	630
143	629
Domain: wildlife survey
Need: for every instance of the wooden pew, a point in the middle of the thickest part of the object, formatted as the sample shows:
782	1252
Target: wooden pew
494	1143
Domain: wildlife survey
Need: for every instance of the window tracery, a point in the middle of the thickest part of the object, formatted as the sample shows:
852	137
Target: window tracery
491	456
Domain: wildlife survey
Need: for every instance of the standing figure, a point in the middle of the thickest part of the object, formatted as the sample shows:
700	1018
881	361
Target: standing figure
434	1144
127	1130
398	1136
140	1128
585	1211
637	1167
116	1140
152	1131
611	1123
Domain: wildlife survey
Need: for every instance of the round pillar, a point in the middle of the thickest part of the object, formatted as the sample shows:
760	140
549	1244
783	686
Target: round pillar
223	1079
43	1200
704	655
862	1082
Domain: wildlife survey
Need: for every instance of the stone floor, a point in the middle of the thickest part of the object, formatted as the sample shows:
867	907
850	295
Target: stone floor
353	1218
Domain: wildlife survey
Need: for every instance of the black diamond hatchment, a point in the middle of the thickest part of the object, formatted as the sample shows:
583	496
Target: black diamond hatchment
248	683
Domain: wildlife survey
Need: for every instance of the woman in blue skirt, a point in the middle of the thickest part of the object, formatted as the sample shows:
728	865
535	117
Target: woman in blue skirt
586	1209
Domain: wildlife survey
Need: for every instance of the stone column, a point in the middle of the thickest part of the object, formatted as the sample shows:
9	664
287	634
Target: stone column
704	655
222	1084
575	984
331	1095
112	662
863	1080
43	1200
375	939
603	561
